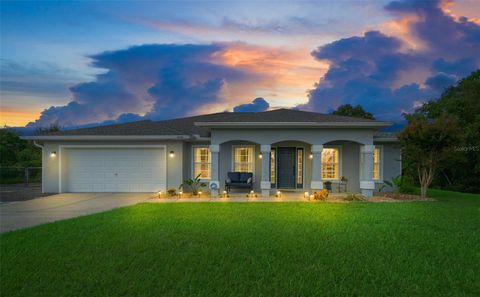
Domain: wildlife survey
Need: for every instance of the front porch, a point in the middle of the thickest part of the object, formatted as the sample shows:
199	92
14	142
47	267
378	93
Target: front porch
300	165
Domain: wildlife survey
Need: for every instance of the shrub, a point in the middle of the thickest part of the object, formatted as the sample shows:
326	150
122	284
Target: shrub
354	197
172	192
320	195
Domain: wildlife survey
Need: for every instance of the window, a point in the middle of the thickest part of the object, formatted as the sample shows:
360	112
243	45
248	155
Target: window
299	168
376	163
243	159
330	163
201	162
273	179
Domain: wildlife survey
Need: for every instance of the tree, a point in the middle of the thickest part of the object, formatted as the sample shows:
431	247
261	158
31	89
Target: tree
460	171
350	111
44	131
427	143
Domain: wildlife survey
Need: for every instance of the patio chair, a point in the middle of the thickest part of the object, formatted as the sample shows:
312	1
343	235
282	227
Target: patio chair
239	180
328	186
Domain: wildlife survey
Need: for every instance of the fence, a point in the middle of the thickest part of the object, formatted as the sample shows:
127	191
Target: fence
18	175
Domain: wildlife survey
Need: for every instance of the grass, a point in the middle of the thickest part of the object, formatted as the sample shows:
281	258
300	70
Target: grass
253	249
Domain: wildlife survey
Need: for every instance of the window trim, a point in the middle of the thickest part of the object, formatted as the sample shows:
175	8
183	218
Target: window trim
253	159
192	171
297	185
273	184
340	162
380	165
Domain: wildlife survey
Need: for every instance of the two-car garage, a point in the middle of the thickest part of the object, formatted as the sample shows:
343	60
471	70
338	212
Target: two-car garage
112	169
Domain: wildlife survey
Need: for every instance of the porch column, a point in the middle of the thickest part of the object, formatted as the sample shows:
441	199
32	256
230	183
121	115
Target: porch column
317	183
214	181
265	183
367	184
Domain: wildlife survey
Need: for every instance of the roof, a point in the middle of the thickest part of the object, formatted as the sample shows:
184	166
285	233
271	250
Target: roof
199	126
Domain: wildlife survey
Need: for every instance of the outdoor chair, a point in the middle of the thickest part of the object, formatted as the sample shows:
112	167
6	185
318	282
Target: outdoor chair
328	186
239	180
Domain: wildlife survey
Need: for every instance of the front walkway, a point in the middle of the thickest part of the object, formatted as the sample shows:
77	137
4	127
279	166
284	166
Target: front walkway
242	197
16	215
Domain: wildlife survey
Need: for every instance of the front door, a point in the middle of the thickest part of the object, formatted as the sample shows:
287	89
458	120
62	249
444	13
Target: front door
286	168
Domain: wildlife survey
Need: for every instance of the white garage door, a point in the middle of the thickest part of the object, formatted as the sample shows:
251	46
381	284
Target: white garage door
115	169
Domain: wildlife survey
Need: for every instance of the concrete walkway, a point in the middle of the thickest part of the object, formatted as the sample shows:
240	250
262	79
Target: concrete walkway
22	214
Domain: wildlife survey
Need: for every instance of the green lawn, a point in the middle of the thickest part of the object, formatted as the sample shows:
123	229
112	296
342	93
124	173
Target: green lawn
253	249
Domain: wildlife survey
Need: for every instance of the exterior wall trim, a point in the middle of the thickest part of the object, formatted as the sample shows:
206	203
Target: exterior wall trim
296	124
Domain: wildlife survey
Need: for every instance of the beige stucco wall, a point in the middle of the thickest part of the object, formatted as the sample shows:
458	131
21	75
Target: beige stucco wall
51	164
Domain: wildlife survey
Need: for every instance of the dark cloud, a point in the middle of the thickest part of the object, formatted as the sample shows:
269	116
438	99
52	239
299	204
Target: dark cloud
35	78
257	105
161	81
366	69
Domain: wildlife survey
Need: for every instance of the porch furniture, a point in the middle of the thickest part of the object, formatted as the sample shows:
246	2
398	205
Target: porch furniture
342	185
239	180
328	186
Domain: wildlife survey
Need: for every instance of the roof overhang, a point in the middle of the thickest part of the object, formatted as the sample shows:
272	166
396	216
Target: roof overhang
385	139
106	137
284	125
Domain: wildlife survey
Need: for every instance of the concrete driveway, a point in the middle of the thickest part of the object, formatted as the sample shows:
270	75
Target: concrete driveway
16	215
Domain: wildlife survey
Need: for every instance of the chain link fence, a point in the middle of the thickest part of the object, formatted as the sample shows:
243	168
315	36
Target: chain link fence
20	175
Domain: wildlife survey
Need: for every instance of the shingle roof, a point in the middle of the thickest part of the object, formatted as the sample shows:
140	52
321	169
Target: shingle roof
188	125
146	127
284	115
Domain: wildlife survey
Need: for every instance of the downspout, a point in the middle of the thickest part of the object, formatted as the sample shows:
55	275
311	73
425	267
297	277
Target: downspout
43	171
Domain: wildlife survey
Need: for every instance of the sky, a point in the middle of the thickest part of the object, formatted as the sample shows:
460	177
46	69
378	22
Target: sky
74	64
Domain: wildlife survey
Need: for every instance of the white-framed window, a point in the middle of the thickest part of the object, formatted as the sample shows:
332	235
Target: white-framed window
202	159
377	161
330	163
243	158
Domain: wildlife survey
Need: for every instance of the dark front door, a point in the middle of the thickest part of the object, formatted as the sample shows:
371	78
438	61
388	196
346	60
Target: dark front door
286	167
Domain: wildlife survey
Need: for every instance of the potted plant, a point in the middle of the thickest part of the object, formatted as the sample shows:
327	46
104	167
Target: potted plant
194	184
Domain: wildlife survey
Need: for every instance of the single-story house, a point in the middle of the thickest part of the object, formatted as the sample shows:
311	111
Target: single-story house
284	149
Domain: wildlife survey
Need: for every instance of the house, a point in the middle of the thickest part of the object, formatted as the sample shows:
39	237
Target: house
284	149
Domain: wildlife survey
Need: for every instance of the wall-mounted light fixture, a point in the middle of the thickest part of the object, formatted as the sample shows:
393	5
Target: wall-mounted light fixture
311	156
172	154
53	154
260	156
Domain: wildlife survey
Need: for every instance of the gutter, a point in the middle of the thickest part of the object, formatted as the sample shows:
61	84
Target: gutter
294	124
380	139
106	137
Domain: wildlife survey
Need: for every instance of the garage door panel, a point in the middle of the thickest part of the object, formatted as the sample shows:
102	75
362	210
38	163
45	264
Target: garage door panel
115	170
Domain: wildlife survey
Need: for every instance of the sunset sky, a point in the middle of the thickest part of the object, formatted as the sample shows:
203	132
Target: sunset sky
78	63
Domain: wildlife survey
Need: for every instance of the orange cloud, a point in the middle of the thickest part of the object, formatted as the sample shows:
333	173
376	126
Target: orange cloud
14	118
284	75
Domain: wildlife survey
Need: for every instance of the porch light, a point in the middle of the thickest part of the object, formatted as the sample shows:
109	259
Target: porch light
172	154
260	156
53	154
311	156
